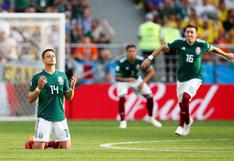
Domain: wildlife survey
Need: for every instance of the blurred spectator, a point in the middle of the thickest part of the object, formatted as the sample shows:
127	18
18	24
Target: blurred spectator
229	23
152	5
31	9
183	7
170	34
76	33
105	67
85	21
88	52
223	11
21	5
102	32
78	8
192	19
229	4
207	32
8	46
206	10
168	7
149	35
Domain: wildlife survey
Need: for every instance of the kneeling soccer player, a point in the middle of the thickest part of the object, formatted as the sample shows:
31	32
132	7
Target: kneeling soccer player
50	86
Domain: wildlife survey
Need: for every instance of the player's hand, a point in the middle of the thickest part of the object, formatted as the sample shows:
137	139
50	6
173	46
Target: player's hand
230	56
140	86
42	82
74	80
145	64
131	80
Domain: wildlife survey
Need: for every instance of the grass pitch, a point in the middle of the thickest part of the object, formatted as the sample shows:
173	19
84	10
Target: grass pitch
104	141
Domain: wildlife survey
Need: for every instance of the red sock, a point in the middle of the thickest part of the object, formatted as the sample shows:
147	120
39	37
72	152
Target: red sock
150	105
185	104
182	115
53	144
122	108
29	144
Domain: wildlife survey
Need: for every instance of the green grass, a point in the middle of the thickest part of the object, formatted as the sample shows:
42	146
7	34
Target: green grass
209	140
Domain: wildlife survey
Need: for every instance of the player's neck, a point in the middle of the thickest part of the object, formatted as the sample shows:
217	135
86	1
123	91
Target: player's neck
49	69
190	42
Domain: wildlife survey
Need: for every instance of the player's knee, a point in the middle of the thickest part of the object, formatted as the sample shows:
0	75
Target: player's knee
186	97
148	96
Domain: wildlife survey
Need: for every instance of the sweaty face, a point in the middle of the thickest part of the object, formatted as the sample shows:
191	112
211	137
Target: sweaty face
49	58
131	54
190	34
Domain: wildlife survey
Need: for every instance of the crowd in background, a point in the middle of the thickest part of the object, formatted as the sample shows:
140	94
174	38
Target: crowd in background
214	18
81	27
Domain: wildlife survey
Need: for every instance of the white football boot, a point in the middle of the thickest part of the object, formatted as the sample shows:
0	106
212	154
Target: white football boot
187	127
179	131
155	122
123	124
152	121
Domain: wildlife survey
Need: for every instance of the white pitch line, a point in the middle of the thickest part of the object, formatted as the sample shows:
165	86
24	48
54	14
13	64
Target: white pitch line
215	149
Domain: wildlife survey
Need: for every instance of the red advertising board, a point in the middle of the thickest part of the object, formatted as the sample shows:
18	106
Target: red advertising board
99	101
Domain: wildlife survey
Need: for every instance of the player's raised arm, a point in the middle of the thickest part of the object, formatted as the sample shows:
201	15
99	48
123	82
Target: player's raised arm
32	96
69	95
145	64
216	50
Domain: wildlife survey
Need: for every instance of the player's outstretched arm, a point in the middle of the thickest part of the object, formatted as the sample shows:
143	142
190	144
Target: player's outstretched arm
146	63
69	95
32	96
216	50
149	74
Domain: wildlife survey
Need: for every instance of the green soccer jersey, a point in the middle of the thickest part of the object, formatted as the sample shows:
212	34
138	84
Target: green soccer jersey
50	104
190	58
128	69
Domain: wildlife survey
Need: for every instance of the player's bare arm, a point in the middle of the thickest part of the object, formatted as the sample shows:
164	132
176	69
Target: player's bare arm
217	50
32	96
122	79
69	95
149	75
156	52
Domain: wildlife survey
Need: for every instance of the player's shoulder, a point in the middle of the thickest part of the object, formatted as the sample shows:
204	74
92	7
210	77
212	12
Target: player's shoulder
38	74
60	73
178	41
138	57
202	43
122	60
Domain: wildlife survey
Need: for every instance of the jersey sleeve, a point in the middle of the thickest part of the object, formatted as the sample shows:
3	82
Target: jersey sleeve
66	86
206	46
118	69
173	44
34	83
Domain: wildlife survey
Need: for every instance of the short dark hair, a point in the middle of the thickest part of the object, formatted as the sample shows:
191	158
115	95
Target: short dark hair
192	26
46	50
130	46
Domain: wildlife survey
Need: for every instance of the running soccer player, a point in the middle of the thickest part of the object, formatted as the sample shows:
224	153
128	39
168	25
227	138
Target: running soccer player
128	76
50	86
189	50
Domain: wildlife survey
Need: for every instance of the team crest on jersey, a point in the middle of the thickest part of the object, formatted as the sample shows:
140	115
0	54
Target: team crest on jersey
60	80
198	50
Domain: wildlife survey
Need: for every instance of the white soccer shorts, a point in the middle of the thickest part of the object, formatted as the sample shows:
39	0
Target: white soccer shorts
191	86
122	88
44	129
